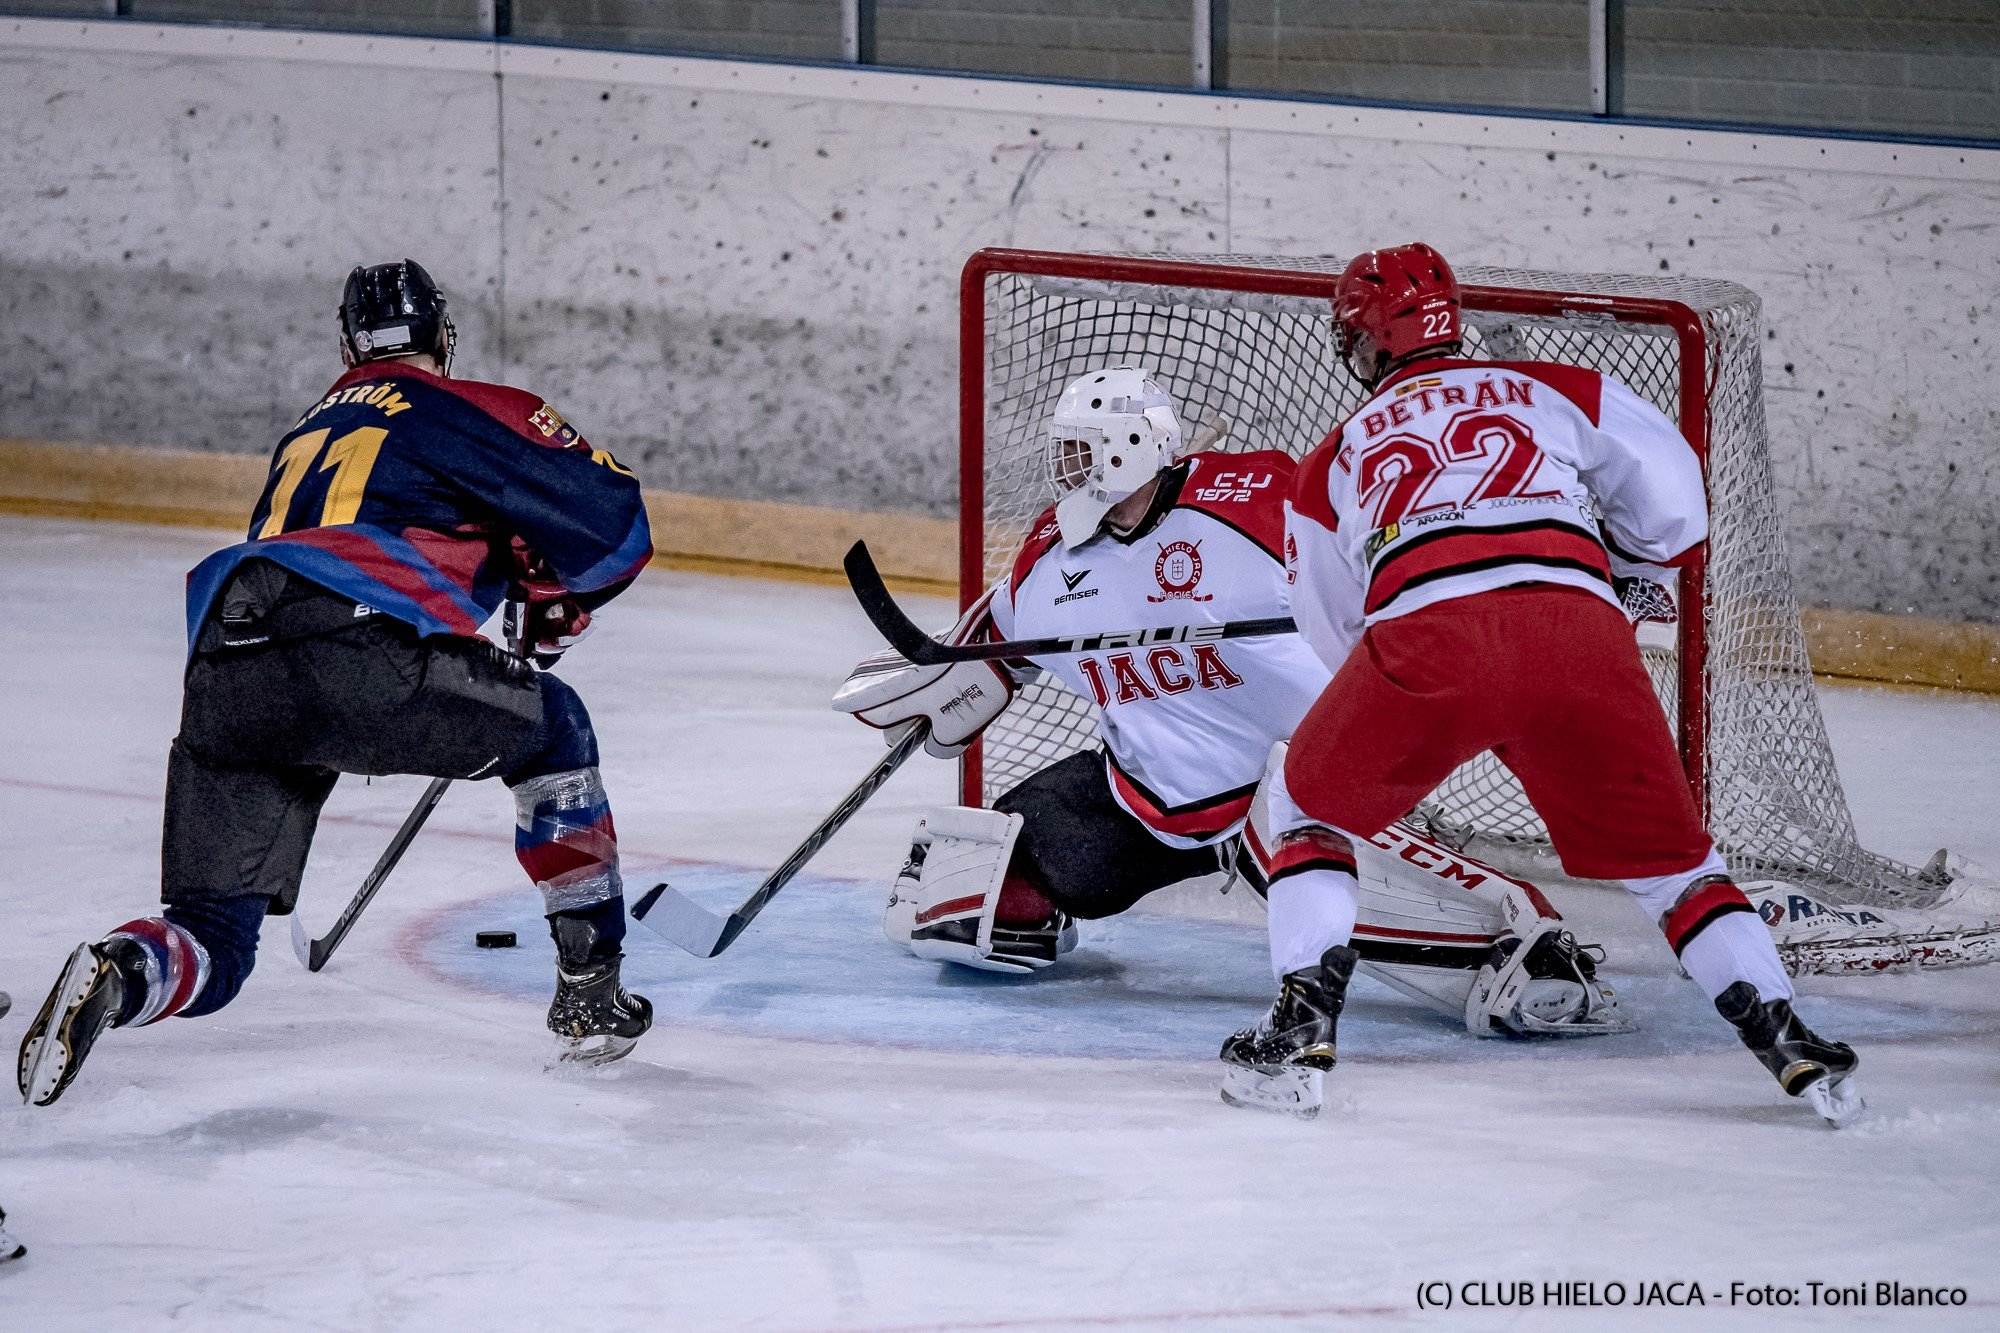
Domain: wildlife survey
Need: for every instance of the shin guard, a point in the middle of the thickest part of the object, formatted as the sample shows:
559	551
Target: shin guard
565	840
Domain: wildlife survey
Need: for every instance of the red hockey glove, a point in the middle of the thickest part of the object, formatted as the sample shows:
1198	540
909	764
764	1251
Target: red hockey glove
553	628
554	621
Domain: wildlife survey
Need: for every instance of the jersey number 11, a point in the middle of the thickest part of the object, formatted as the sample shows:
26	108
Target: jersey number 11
351	458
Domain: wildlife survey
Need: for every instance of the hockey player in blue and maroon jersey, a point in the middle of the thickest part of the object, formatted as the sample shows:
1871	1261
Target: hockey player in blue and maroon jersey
341	637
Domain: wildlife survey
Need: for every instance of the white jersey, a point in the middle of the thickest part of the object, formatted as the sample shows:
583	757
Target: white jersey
1186	727
1458	477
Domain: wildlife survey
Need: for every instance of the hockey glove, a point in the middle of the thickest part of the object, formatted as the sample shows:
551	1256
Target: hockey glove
553	628
958	699
555	621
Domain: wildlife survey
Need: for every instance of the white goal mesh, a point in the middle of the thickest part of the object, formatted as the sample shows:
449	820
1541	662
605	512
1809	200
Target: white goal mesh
1245	345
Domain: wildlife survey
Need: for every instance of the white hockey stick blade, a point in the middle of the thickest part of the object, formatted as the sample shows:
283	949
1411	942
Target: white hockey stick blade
1296	1090
301	944
1838	1102
682	921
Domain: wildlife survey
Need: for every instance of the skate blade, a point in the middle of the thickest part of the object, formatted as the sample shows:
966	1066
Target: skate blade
39	1075
1838	1101
1295	1090
592	1052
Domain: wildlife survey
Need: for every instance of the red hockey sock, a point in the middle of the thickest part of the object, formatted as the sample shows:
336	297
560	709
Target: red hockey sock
175	967
1021	904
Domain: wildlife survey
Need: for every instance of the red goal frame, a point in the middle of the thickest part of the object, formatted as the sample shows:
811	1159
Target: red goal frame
1687	326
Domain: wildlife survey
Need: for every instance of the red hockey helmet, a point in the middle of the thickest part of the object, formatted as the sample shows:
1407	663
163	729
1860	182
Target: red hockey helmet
1392	304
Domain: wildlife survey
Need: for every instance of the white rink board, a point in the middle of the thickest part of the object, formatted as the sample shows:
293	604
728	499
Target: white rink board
743	277
821	1133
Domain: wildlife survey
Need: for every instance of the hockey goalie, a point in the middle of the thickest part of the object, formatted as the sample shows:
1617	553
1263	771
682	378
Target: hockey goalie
1148	533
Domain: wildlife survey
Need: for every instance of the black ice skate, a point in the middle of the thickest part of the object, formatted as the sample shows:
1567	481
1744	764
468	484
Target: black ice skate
596	1018
9	1247
1805	1064
1280	1064
88	997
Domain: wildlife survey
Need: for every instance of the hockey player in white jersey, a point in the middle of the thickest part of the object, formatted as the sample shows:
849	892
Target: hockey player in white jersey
1455	545
1148	534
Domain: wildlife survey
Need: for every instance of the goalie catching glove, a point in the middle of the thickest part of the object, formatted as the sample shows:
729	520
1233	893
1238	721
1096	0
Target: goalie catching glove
956	699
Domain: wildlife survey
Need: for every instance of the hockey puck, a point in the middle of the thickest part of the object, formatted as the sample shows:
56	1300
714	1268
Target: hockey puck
494	939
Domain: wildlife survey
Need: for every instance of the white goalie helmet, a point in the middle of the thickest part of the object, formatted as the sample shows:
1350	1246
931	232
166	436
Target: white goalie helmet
1113	431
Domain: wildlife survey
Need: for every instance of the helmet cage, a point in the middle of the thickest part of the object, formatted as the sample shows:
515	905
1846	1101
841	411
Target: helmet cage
1112	432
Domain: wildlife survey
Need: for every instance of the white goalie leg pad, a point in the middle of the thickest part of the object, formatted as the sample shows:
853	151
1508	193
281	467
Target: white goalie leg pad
944	901
1814	936
1476	936
1429	917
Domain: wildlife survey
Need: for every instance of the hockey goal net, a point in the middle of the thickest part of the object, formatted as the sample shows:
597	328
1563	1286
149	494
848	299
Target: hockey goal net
1245	347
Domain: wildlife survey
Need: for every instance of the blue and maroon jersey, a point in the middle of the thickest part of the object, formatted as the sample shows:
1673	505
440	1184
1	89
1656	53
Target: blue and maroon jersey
406	492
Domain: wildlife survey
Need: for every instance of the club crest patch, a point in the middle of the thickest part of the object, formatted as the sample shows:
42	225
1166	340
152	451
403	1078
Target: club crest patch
552	426
1179	573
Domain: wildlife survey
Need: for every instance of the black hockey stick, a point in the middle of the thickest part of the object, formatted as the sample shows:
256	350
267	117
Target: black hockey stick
686	923
907	638
315	952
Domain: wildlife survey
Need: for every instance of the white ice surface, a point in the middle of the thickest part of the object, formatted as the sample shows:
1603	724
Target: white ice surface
821	1133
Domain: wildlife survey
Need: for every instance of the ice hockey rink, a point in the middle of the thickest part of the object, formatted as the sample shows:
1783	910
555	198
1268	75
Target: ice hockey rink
821	1133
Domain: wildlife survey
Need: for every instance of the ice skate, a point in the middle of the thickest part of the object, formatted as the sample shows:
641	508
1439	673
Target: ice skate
86	999
1543	986
9	1247
1281	1064
596	1019
1805	1064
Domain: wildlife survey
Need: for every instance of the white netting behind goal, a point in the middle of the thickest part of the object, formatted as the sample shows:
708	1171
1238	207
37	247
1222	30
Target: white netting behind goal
1262	366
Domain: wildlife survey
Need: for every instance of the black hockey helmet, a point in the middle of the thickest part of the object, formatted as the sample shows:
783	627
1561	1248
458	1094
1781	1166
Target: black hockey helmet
394	310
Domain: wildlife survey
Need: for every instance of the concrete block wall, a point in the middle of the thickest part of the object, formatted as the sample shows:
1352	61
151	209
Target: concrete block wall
1930	68
57	8
1511	53
1866	65
797	29
450	18
1116	41
743	278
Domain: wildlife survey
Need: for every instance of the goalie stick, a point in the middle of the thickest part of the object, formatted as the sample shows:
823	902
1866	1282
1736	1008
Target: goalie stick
314	953
907	638
686	923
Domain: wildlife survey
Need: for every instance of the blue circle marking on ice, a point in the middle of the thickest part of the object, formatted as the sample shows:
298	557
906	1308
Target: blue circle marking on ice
815	966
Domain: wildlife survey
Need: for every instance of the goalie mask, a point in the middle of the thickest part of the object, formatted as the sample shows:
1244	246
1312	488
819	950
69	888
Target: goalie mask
1113	431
